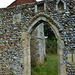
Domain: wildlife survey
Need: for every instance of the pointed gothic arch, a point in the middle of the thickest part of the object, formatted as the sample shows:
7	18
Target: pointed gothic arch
39	18
60	4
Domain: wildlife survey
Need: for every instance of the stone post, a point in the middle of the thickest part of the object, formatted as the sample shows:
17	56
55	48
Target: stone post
56	7
65	6
44	6
26	54
41	40
35	8
38	52
61	65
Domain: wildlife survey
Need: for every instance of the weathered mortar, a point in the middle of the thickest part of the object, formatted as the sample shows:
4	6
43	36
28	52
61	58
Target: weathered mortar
11	50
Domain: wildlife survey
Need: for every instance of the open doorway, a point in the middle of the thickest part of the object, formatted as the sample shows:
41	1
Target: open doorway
44	61
26	36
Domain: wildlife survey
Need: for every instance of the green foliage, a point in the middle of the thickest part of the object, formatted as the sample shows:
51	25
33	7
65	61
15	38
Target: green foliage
49	67
36	63
37	69
11	72
33	64
48	31
51	41
51	45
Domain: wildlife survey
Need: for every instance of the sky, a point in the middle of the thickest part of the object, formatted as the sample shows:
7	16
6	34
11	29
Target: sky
5	3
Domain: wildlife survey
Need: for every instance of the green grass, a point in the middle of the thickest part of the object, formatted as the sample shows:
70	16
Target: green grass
49	67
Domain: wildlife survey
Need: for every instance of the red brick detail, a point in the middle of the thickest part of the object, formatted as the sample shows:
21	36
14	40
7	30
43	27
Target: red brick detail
19	2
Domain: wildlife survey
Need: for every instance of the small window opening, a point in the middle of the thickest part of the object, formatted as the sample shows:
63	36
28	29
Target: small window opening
61	5
40	7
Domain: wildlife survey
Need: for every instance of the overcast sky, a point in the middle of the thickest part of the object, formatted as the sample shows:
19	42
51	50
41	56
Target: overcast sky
5	3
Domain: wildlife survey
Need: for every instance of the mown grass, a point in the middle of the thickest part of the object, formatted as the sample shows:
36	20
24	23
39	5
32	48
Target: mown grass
49	67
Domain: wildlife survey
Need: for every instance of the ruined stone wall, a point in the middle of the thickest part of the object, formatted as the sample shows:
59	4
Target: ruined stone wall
16	19
12	23
38	44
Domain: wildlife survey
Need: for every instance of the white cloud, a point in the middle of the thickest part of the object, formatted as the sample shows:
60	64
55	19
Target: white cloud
5	3
38	0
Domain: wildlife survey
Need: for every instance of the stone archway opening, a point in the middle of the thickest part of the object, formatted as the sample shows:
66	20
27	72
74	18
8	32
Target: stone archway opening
42	43
36	21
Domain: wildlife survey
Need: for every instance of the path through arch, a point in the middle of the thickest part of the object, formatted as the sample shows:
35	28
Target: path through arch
26	35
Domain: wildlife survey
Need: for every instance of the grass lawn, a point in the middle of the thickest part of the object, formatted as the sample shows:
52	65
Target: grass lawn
49	67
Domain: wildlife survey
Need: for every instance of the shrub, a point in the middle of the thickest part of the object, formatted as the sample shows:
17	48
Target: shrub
51	45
